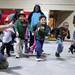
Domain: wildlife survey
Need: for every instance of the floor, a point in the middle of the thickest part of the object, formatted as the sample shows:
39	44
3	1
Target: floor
65	65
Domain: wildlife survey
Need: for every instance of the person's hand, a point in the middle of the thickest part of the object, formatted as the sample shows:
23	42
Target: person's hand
11	30
17	34
11	24
33	33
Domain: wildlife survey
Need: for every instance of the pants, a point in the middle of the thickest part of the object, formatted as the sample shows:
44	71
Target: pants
31	39
7	46
60	46
38	49
19	47
26	46
72	47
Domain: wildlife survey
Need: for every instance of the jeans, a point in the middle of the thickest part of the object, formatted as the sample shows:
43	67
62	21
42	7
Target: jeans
38	49
60	46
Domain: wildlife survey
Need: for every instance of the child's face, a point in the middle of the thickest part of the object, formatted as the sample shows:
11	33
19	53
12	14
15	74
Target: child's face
66	25
36	9
22	17
43	20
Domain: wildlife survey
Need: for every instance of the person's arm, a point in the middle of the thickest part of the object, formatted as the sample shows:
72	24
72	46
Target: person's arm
48	30
68	36
2	27
29	18
11	30
16	28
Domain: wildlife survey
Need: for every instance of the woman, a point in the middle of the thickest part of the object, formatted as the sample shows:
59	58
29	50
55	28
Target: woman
33	19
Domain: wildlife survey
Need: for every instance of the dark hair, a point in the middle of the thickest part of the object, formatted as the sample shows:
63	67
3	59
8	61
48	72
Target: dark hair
42	17
38	7
30	16
21	15
15	17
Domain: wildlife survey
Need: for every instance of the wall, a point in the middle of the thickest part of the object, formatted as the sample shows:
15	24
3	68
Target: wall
46	5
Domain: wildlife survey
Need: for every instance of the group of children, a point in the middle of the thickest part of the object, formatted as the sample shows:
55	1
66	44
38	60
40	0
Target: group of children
23	36
21	30
61	33
39	32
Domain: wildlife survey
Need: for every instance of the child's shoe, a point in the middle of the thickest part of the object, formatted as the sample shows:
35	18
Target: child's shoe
40	59
57	54
70	50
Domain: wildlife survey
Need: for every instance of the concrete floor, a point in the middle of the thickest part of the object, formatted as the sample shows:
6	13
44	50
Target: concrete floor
52	66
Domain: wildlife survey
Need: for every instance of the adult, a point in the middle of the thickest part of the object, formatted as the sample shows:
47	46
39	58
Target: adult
33	19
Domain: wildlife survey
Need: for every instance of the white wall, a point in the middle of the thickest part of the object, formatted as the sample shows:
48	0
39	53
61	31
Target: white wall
45	4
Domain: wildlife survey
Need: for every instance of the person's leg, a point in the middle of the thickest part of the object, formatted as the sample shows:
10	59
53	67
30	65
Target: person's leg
42	45
26	46
8	48
71	48
2	48
31	39
59	48
38	49
12	48
17	50
38	55
21	46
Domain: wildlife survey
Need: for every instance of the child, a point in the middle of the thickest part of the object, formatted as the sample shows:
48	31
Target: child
60	34
40	37
20	28
7	38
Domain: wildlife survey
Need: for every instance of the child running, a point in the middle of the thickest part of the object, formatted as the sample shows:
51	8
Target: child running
60	34
7	38
41	32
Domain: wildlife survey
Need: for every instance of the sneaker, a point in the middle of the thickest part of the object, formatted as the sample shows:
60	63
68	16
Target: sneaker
9	55
57	54
39	59
17	56
70	50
